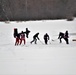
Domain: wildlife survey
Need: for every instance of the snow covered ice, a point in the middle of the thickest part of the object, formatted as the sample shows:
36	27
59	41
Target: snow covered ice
31	59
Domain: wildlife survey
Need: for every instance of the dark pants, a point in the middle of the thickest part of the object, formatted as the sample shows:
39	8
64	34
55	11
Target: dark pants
60	39
67	41
34	40
45	41
27	35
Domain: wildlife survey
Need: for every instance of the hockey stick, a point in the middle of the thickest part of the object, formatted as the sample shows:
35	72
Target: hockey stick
54	39
41	42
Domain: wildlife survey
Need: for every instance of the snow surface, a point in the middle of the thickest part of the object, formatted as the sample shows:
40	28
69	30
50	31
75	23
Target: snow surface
40	59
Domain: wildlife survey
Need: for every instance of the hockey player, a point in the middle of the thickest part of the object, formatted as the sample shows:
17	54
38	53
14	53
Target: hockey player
61	35
16	36
46	38
64	36
22	37
27	32
35	37
17	39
